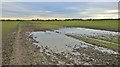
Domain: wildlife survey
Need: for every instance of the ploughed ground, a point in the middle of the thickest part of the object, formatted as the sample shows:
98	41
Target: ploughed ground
18	49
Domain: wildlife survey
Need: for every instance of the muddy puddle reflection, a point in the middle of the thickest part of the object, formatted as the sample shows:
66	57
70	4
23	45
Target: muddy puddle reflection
67	50
85	31
56	42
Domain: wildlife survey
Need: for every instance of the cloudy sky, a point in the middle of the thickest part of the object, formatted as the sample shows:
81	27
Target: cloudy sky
28	10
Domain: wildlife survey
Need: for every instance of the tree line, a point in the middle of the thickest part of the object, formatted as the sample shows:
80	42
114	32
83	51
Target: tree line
58	19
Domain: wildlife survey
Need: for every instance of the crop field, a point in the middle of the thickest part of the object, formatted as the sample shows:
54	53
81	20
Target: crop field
8	26
16	39
101	24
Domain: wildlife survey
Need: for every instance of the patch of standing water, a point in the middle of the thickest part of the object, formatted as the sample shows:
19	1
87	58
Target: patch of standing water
85	31
57	42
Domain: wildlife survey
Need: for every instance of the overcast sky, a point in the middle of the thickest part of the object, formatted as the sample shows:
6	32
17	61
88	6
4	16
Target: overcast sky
60	0
59	10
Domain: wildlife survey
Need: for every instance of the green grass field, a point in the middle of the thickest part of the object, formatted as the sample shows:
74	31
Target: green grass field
103	24
8	26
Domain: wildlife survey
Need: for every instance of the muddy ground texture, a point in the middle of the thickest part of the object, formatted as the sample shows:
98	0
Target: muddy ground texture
19	49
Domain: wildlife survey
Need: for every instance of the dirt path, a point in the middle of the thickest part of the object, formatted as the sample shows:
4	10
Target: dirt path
24	51
17	50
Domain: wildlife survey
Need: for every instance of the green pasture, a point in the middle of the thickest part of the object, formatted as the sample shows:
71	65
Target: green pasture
101	24
8	26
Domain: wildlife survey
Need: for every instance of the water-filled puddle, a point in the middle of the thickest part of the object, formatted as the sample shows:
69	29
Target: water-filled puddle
56	42
59	42
85	31
62	49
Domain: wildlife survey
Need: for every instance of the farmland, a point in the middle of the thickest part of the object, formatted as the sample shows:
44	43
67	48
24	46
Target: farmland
16	40
103	24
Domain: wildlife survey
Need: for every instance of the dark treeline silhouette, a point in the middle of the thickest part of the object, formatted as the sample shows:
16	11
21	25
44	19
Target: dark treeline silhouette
58	19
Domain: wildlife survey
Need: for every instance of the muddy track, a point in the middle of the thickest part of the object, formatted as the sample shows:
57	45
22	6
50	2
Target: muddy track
24	51
7	43
17	49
